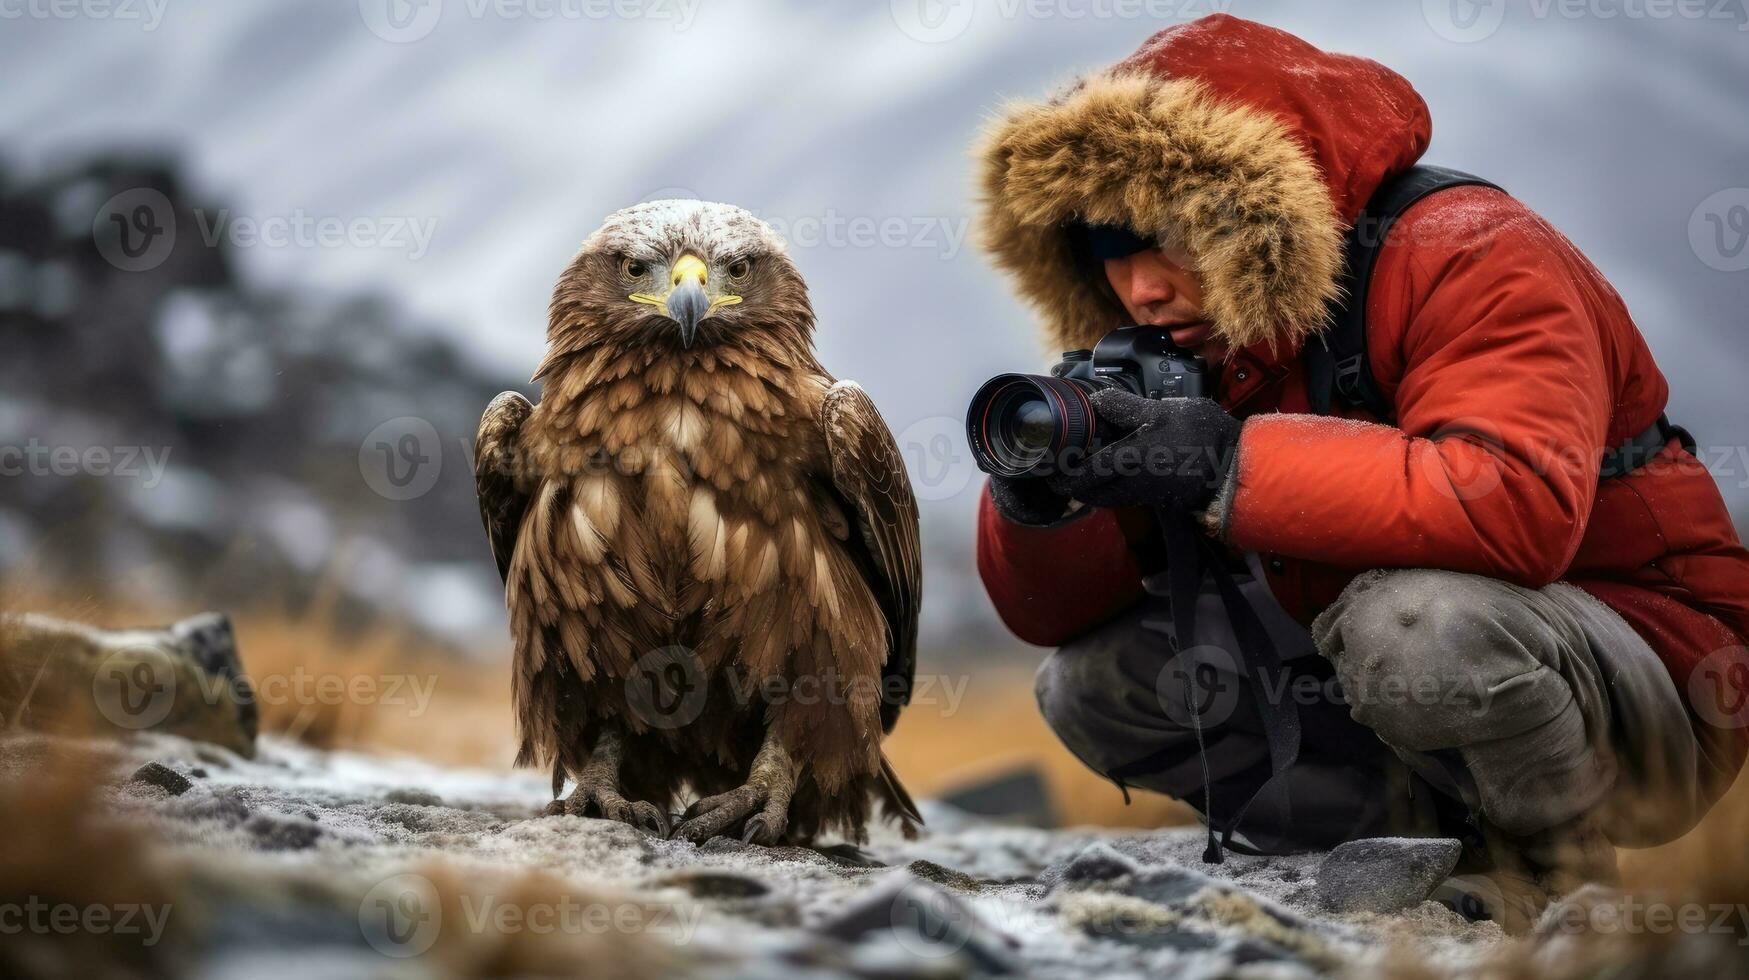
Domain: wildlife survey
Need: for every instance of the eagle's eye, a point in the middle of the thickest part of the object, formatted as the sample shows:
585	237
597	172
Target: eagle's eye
633	268
740	269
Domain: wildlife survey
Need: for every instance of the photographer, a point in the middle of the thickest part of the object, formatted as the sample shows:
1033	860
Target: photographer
1505	566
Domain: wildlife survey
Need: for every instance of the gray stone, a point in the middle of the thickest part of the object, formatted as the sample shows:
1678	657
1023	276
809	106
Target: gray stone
1385	874
930	922
1171	887
281	834
1018	797
1095	862
162	776
415	797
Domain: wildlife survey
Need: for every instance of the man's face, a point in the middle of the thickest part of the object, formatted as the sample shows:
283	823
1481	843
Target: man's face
1160	289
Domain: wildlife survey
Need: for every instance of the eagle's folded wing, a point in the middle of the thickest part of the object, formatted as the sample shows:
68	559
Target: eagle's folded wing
869	473
496	463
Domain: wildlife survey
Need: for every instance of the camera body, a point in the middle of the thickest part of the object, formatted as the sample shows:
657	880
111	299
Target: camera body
1141	360
1032	425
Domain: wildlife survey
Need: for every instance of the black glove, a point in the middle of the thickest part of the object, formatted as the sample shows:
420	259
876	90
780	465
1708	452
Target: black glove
1176	453
1027	500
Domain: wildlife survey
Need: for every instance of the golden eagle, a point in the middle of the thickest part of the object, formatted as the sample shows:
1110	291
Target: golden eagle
709	546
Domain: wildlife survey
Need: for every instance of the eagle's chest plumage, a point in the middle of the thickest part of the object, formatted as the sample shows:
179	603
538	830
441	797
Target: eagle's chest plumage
679	507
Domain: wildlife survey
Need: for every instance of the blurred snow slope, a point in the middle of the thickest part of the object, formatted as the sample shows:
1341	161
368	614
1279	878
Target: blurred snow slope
515	133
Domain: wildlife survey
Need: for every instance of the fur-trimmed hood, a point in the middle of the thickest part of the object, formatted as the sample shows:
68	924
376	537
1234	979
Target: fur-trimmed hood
1247	145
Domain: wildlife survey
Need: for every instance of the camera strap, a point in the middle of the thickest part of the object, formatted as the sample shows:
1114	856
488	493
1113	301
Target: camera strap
1191	559
1337	369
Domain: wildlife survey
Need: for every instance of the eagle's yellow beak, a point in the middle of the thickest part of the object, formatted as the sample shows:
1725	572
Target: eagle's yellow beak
688	299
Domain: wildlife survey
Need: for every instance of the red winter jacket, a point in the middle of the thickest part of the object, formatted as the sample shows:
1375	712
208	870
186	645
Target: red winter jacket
1511	362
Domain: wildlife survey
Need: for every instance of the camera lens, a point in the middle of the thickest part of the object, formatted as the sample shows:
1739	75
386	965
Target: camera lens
1021	424
1031	426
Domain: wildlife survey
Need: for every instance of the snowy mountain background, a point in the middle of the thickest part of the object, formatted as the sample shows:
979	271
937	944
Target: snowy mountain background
465	147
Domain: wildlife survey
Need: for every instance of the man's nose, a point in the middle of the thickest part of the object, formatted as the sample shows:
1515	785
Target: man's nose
1151	287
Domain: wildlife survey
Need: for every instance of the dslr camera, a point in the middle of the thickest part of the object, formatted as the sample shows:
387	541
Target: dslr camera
1035	425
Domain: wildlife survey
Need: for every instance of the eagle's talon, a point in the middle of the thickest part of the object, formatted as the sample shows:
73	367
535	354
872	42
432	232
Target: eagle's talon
649	818
764	829
713	815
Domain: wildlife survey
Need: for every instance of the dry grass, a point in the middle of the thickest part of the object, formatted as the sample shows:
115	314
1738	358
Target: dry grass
79	889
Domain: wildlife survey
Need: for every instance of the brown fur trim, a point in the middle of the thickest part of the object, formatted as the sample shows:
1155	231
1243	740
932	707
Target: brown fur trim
1171	160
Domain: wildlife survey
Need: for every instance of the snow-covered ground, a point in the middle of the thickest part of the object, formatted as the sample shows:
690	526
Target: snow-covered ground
344	864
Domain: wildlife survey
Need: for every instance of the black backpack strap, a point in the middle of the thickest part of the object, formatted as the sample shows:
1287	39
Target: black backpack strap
1337	370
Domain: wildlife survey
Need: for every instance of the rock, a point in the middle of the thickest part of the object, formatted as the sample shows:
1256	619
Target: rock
715	884
930	871
1385	874
1171	887
1017	797
414	797
927	921
226	809
162	776
279	834
1097	862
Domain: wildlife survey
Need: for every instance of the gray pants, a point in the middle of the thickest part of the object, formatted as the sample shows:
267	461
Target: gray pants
1529	707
